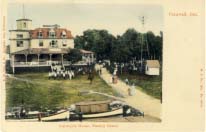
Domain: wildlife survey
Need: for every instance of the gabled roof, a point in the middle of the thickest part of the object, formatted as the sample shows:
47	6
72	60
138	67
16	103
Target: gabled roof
45	33
153	63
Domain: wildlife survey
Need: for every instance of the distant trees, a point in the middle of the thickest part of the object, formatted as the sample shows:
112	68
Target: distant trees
127	46
121	48
99	41
155	44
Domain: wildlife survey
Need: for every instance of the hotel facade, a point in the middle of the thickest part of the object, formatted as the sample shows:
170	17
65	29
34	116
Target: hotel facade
41	47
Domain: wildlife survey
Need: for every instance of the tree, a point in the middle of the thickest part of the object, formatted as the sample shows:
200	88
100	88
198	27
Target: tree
155	45
79	42
151	42
158	42
98	41
132	39
121	52
74	55
122	48
103	44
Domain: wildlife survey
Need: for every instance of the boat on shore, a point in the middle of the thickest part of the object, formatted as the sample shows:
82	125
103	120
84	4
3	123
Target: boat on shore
77	116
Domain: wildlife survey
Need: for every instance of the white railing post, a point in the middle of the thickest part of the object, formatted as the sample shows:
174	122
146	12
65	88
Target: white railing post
38	59
26	58
13	58
62	58
50	55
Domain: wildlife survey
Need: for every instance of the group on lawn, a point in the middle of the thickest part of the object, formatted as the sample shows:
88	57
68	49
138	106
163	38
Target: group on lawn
58	72
61	74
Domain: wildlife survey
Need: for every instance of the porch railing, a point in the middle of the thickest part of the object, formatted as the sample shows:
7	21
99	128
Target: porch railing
35	63
46	63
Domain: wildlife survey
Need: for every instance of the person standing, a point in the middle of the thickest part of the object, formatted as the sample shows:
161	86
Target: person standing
39	117
126	81
80	116
129	91
55	75
64	76
100	71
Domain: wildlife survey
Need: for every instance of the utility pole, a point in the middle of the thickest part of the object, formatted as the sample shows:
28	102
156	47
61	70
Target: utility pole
144	41
142	19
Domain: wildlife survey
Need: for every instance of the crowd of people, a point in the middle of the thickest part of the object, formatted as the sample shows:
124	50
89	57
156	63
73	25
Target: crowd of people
59	72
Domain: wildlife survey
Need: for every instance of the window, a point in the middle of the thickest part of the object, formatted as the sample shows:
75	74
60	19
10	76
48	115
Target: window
24	24
41	43
40	35
52	33
53	44
19	36
64	43
19	44
63	34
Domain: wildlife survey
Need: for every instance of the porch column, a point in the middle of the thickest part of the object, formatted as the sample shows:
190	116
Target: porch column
92	58
26	58
38	59
13	65
62	58
50	55
89	59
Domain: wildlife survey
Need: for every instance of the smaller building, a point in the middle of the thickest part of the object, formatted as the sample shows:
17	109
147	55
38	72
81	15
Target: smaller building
152	67
87	56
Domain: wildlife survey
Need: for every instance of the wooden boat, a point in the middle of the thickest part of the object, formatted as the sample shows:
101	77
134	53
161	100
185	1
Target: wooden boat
76	116
104	114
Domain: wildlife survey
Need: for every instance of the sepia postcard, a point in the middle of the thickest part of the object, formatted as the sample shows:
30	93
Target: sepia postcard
89	65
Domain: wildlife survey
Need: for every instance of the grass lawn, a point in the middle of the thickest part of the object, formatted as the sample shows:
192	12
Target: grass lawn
151	85
39	90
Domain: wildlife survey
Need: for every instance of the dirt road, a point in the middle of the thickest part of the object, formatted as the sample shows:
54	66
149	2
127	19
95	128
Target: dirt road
140	100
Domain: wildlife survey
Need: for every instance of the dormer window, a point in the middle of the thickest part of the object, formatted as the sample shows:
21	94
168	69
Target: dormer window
52	33
40	35
63	34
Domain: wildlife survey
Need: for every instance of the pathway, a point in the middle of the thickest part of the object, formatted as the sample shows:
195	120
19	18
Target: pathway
149	105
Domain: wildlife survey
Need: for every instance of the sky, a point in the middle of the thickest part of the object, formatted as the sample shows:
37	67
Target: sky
78	17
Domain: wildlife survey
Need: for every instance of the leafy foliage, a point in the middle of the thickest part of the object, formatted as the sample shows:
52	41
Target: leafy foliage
121	48
99	41
74	55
